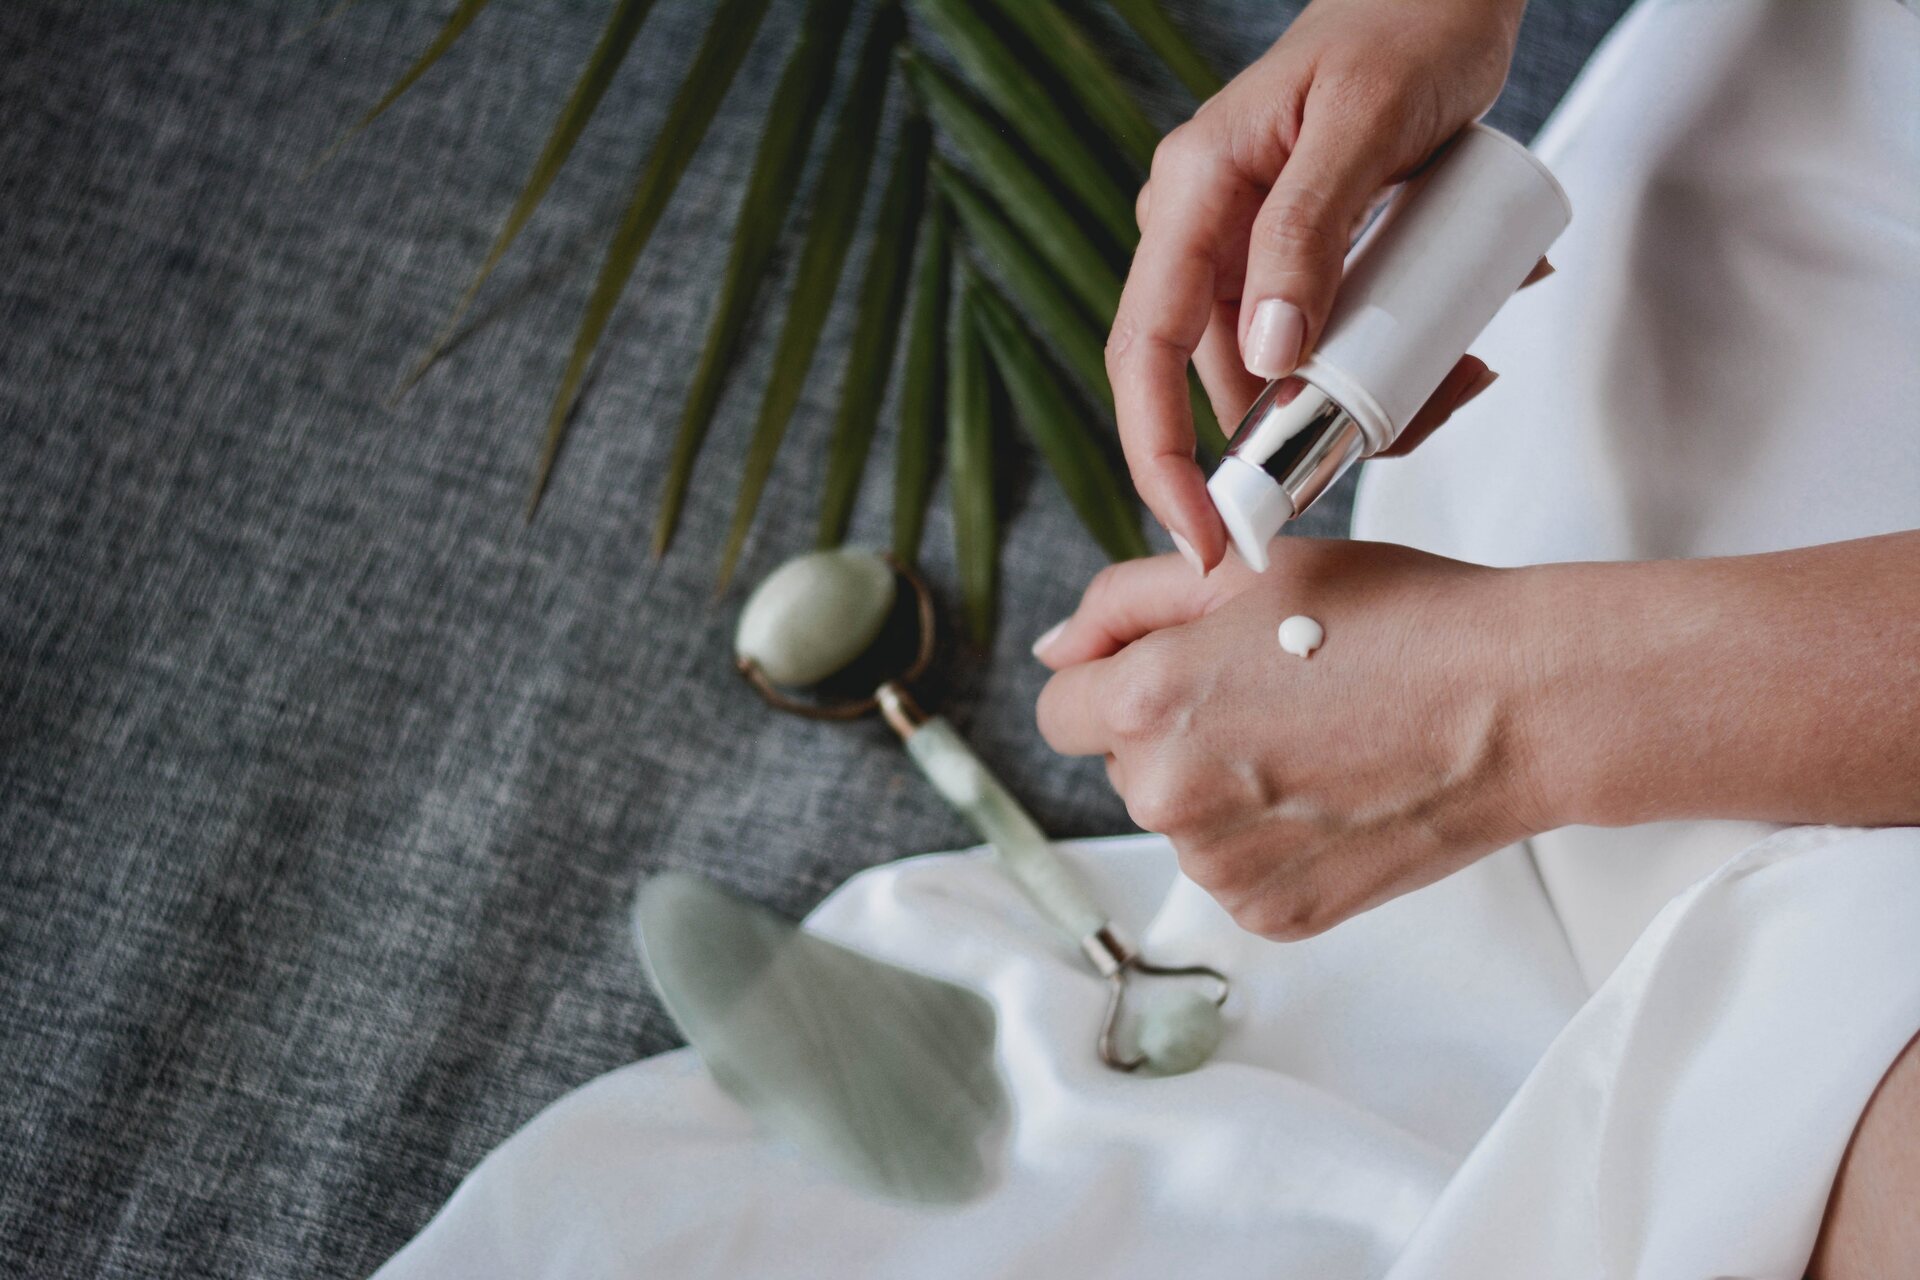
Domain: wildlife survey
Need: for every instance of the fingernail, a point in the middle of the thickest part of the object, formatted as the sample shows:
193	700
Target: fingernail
1274	338
1047	638
1486	378
1185	548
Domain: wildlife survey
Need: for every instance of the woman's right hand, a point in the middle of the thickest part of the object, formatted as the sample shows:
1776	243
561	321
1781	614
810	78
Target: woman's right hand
1251	206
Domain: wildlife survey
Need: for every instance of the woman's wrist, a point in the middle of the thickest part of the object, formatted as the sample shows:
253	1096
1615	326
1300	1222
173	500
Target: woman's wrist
1581	632
1782	687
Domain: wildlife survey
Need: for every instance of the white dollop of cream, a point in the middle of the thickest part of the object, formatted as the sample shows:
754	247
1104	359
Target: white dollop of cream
1301	635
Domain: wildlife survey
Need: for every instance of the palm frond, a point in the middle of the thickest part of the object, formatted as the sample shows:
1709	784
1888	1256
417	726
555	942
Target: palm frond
970	469
1054	231
1011	89
729	35
1044	138
1039	291
797	103
451	30
1093	82
1150	23
883	295
923	386
608	53
1057	426
830	227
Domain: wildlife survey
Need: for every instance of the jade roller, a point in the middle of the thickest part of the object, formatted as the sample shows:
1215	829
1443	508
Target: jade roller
811	621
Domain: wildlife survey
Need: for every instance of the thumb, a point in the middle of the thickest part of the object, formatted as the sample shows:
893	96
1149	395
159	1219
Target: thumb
1300	238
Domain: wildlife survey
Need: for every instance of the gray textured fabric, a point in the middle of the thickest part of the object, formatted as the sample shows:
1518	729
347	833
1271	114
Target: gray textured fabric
324	781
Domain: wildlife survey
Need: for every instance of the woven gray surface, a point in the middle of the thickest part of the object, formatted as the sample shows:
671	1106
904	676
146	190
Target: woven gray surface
324	781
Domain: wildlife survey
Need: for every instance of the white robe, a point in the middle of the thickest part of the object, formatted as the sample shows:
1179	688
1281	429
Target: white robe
1470	1080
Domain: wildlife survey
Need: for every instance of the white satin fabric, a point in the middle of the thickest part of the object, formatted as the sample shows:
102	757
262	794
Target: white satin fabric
1728	361
1725	363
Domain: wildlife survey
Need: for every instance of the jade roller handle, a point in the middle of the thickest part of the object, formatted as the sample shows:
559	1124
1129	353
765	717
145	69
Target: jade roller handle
964	782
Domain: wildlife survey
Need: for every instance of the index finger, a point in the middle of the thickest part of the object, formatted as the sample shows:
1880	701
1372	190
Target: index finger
1163	314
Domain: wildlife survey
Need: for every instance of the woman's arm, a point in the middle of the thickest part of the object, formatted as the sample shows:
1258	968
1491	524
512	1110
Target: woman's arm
1454	709
1782	687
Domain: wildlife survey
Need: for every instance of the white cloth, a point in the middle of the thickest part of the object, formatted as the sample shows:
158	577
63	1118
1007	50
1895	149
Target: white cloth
1727	361
1434	1089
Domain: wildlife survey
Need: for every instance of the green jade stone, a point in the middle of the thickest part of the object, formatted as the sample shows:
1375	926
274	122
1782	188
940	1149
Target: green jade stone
1178	1031
884	1075
966	784
815	614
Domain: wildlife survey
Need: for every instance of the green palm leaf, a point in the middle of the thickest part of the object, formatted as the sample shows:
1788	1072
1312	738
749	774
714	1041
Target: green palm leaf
924	385
1083	70
1161	36
797	102
883	295
1019	98
1057	427
451	30
735	22
836	208
1054	231
1072	337
611	50
970	470
1040	293
1206	427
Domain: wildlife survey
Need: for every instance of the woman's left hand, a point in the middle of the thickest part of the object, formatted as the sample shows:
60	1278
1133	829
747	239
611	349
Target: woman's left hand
1301	792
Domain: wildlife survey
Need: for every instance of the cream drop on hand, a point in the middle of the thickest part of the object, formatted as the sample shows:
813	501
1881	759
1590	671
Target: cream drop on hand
1301	635
1454	245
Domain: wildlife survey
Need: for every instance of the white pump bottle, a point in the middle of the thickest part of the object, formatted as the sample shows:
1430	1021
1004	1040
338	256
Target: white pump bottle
1427	277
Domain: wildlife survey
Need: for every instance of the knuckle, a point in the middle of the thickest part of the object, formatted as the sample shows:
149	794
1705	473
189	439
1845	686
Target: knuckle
1305	910
1163	802
1296	226
1184	146
1148	806
1103	591
1148	691
1277	919
1129	340
1139	708
1365	93
1208	867
1120	341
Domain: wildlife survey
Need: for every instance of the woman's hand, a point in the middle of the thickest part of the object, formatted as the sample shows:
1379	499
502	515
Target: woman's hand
1251	206
1299	792
1454	709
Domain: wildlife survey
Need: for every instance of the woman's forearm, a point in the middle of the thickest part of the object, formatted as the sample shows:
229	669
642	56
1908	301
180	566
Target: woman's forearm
1781	687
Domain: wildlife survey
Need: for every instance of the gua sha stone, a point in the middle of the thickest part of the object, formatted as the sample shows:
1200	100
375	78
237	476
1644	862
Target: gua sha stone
815	614
1178	1031
885	1075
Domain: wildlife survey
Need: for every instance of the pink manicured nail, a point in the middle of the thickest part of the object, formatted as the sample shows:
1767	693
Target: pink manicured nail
1185	548
1274	338
1047	638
